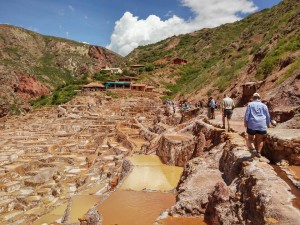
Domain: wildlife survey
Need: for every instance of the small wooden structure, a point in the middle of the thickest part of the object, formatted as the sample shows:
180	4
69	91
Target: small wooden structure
137	66
94	87
149	88
138	87
113	70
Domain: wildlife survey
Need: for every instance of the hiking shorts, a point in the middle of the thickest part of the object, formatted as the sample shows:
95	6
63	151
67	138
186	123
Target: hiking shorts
253	132
227	113
212	110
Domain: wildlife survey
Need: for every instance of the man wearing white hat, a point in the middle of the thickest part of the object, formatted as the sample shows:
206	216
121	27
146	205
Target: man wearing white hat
257	119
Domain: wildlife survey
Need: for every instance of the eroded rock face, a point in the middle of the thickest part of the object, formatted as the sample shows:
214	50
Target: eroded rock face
197	182
176	149
104	57
283	144
257	194
28	87
190	141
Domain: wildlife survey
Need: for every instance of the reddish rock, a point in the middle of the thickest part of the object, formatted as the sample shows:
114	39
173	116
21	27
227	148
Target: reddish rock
29	87
105	57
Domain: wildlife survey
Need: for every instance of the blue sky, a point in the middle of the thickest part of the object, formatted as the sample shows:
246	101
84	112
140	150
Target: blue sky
122	25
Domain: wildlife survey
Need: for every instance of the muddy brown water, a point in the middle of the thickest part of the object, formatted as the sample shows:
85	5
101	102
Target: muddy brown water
294	190
134	207
80	205
295	170
130	205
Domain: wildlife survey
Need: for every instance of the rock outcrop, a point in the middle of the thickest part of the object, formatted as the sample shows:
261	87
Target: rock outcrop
283	144
197	182
254	193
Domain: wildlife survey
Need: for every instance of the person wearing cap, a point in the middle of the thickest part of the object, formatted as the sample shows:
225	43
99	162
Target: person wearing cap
256	120
227	110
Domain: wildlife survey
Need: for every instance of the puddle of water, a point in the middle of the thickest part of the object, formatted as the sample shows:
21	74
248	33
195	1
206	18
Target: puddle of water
158	178
294	190
81	204
149	173
183	221
52	216
295	170
134	208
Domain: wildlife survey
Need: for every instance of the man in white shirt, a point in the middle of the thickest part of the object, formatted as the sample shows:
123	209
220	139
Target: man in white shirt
227	110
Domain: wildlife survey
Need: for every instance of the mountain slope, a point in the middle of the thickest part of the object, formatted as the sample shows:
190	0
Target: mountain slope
263	48
32	65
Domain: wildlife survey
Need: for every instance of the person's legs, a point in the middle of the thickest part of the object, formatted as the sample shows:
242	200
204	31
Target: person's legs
251	144
212	113
223	119
260	142
228	124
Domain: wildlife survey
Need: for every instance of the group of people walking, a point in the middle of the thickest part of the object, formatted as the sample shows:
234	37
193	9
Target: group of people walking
256	120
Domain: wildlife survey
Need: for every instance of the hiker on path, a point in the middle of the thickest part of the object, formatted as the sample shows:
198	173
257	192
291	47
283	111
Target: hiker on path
257	119
212	106
227	110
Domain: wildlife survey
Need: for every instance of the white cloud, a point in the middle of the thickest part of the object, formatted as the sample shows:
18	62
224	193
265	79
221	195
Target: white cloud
130	31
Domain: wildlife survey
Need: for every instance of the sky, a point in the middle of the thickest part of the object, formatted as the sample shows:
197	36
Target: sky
122	25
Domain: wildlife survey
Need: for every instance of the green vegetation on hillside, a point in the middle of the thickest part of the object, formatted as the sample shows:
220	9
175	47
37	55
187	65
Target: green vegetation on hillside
61	95
255	47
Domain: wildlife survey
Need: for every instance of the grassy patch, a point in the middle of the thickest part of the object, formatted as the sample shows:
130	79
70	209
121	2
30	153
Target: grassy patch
105	76
291	71
61	95
112	94
270	62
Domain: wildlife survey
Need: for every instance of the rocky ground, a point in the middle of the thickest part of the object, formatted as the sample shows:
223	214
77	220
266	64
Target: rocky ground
59	156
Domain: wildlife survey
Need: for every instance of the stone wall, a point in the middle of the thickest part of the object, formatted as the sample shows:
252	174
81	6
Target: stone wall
197	181
193	140
283	144
175	149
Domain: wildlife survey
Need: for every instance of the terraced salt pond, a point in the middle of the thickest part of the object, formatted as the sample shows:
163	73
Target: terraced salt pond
151	174
130	205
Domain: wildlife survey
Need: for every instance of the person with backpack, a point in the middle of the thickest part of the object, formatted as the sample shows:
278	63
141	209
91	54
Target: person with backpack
212	106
